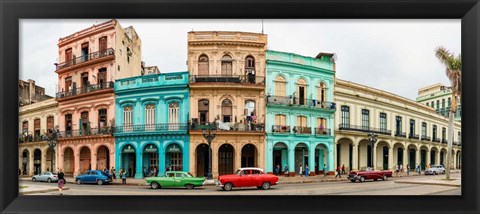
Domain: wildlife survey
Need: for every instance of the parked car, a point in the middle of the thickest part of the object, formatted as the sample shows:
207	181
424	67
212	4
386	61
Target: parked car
94	176
175	179
369	174
46	176
434	170
247	177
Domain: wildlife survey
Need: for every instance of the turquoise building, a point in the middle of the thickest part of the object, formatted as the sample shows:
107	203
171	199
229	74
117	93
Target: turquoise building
151	123
300	112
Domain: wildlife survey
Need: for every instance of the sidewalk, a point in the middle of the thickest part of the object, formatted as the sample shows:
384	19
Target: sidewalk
455	180
33	188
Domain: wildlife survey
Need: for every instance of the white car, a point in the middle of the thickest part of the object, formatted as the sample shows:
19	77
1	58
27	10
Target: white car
435	169
45	176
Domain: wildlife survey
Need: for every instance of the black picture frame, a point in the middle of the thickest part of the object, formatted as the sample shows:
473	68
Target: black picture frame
11	11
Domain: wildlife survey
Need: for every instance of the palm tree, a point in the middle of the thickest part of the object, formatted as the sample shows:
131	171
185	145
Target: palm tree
453	70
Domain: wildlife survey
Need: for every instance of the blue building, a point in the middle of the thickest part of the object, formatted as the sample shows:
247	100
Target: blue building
151	123
300	112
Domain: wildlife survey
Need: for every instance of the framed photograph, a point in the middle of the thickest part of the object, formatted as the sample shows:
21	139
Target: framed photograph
282	106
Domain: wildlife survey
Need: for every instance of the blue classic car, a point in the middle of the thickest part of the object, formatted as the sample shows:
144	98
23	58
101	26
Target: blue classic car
94	176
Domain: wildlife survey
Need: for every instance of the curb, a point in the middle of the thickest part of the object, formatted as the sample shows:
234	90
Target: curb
41	191
427	183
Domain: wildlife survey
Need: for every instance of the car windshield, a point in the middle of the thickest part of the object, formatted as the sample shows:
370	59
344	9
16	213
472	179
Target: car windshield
238	172
189	175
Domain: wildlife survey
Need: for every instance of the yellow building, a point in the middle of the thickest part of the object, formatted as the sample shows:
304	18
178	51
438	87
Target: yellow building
227	88
408	132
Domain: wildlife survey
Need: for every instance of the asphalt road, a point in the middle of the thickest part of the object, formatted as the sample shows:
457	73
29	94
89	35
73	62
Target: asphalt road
324	188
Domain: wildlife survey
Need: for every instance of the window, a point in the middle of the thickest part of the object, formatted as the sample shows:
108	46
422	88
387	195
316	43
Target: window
102	77
173	115
398	124
434	132
302	91
36	128
444	133
102	118
280	86
127	118
102	44
129	53
203	65
412	127
438	105
424	129
203	106
449	102
68	56
84	51
50	123
428	104
280	119
383	122
433	104
68	123
443	103
302	121
365	119
226	65
68	84
84	121
226	111
249	65
322	92
459	137
345	116
150	117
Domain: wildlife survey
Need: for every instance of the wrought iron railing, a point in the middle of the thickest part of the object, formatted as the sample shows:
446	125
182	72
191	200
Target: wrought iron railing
436	139
212	78
344	126
159	127
280	129
445	141
295	101
302	130
248	127
108	130
85	90
413	136
322	131
400	134
427	138
86	58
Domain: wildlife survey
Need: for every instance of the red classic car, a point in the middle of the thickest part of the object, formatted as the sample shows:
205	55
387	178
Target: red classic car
247	177
368	173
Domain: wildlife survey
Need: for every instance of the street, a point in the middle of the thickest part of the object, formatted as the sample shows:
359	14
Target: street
388	187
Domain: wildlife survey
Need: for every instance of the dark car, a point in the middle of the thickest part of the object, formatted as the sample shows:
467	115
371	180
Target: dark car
369	173
94	176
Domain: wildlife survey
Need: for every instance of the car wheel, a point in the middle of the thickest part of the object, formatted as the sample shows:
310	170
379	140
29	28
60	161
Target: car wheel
79	181
49	180
362	179
353	181
385	177
228	187
154	185
34	179
265	185
435	173
189	186
99	182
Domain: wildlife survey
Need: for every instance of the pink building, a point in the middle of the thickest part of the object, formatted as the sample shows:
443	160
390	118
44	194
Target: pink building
89	62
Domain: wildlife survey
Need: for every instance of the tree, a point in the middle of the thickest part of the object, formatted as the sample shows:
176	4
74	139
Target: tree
453	70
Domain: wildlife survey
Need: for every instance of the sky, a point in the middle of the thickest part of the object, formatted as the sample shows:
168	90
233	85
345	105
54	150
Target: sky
392	55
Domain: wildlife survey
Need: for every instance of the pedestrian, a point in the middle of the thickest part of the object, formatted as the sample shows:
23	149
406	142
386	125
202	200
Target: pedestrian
343	168
338	172
397	168
324	170
401	169
61	181
418	169
307	171
277	170
123	175
408	170
105	170
114	176
154	171
286	170
300	170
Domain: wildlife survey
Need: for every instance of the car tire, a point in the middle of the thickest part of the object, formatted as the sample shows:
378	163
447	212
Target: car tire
189	186
49	180
362	179
34	180
385	177
228	186
99	182
353	181
435	172
79	181
154	185
265	185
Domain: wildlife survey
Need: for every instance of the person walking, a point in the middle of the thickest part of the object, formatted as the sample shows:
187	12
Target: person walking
277	170
408	170
419	169
401	170
123	175
343	168
286	170
61	181
300	170
338	172
307	171
324	170
113	174
397	168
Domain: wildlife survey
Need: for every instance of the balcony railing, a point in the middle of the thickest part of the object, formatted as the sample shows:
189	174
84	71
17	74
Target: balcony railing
239	127
436	139
145	128
427	138
413	136
344	126
295	101
322	131
302	130
85	90
87	132
86	58
445	141
243	79
281	129
400	134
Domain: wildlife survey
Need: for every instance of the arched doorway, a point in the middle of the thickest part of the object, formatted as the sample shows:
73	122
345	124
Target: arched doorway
344	154
398	154
423	157
459	160
225	159
301	157
129	160
68	161
150	158
103	158
433	156
412	161
37	161
280	156
382	155
201	153
25	162
365	154
174	157
443	153
249	152
50	154
321	158
85	159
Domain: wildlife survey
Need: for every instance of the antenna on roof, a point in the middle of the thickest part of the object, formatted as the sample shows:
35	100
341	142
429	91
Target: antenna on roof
262	26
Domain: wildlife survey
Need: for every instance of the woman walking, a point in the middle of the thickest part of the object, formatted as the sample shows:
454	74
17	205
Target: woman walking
123	175
61	181
113	174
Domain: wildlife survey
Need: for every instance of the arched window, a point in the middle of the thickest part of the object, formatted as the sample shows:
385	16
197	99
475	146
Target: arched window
302	91
173	113
280	86
250	114
227	65
280	123
302	121
203	65
25	127
249	65
322	92
203	106
150	117
226	110
127	118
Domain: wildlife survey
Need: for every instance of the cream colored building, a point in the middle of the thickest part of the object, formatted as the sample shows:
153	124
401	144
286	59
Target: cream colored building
408	132
439	97
35	121
227	85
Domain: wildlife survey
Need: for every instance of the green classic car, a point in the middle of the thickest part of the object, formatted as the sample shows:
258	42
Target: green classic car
175	179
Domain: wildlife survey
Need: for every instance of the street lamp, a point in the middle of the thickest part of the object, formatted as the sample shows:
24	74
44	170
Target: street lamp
209	134
52	142
372	138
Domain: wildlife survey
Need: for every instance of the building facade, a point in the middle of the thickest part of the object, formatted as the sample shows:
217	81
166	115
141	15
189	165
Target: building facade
300	112
29	93
439	97
408	132
227	88
89	62
36	122
151	125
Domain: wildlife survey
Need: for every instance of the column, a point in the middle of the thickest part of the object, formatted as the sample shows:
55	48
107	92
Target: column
330	162
237	162
437	156
291	161
30	164
93	159
418	159
161	160
311	160
59	158
193	157
43	162
354	156
117	162
76	169
269	157
428	159
405	158
454	157
390	158
138	163
374	161
214	161
113	161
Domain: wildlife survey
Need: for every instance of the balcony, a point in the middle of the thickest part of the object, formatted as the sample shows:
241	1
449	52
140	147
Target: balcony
85	90
151	128
322	132
413	136
235	79
427	138
436	139
281	129
228	127
302	130
444	141
87	132
86	58
400	134
295	101
344	126
28	136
